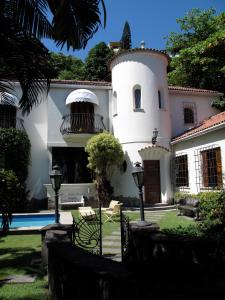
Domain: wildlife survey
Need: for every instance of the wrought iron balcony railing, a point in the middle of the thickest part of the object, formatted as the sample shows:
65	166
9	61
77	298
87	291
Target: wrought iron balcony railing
82	123
11	122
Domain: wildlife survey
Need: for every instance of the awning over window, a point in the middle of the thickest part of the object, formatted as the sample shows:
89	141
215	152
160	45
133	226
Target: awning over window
82	95
9	99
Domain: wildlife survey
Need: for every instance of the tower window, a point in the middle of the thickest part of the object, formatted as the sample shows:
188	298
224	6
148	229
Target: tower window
114	104
137	98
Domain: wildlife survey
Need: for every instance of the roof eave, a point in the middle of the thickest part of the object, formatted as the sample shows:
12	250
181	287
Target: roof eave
199	133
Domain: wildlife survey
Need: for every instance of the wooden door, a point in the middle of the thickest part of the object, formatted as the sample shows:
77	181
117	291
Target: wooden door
152	181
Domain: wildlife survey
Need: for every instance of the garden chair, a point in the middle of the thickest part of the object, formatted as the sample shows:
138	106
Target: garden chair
87	213
112	213
111	206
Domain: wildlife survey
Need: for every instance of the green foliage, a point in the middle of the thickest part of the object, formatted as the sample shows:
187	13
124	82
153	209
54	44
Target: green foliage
213	208
198	51
15	145
126	37
96	63
104	151
66	67
10	194
219	103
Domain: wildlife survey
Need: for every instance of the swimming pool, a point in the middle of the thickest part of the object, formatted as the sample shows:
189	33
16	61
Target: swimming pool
33	222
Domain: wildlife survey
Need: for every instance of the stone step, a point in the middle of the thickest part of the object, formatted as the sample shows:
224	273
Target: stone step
111	251
111	237
111	243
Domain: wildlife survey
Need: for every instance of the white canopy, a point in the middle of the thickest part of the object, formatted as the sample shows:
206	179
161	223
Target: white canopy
82	95
9	99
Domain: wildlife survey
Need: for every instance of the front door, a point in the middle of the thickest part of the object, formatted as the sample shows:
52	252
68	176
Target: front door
152	181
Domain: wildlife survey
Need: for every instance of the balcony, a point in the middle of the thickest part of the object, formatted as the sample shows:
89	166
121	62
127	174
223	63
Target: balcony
82	123
11	122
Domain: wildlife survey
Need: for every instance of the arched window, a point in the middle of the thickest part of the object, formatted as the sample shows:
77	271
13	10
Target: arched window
188	115
160	100
137	98
115	103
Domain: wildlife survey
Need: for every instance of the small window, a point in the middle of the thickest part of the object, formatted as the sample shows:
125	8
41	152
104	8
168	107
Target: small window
7	116
137	98
181	171
159	99
212	168
114	104
188	115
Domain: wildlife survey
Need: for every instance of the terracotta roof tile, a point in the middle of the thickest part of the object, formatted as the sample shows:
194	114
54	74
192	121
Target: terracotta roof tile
208	123
190	89
81	82
150	50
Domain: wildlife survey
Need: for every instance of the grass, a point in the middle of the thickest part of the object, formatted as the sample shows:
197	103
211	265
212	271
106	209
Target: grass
18	251
16	255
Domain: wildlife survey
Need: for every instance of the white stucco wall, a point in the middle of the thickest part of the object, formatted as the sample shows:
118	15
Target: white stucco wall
203	111
57	108
213	139
134	128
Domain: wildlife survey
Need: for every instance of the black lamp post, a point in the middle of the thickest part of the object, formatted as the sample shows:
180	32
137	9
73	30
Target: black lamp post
56	177
138	175
154	136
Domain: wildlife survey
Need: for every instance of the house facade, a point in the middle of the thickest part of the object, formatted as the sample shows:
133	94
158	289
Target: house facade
186	155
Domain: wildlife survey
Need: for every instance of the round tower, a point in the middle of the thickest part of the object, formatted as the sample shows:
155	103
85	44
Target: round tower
140	105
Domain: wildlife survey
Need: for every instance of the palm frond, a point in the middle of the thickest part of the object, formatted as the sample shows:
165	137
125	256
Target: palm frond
30	16
75	21
25	59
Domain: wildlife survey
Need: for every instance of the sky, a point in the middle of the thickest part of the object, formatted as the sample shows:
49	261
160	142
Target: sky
149	20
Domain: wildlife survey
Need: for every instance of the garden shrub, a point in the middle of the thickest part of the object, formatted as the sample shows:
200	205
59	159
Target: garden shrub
15	147
10	195
213	208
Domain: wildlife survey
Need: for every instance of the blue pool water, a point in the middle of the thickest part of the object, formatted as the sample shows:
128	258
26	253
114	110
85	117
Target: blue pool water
31	220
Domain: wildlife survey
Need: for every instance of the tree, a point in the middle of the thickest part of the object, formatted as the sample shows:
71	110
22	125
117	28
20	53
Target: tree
66	67
10	192
198	51
96	63
126	37
104	152
73	23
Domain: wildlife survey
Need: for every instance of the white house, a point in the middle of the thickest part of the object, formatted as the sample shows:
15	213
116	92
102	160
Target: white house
188	154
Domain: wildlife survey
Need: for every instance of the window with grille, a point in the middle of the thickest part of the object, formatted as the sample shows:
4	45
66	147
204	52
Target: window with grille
188	115
212	168
137	98
181	171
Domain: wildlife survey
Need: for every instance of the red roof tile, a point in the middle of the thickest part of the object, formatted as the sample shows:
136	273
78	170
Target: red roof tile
81	82
190	89
208	123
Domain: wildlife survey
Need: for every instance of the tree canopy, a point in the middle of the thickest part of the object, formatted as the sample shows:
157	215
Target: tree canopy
198	58
24	23
126	37
104	152
96	63
66	67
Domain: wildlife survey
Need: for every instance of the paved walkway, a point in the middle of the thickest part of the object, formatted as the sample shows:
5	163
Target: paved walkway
111	244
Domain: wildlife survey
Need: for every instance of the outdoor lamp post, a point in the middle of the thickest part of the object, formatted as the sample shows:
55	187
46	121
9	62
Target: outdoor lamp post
56	177
138	175
154	136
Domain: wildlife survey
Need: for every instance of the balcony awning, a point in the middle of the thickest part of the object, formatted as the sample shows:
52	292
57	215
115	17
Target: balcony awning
9	99
82	95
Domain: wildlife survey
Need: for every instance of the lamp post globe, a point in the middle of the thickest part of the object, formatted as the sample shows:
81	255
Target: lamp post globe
56	178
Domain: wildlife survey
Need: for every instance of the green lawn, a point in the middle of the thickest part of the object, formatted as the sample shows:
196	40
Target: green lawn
18	251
